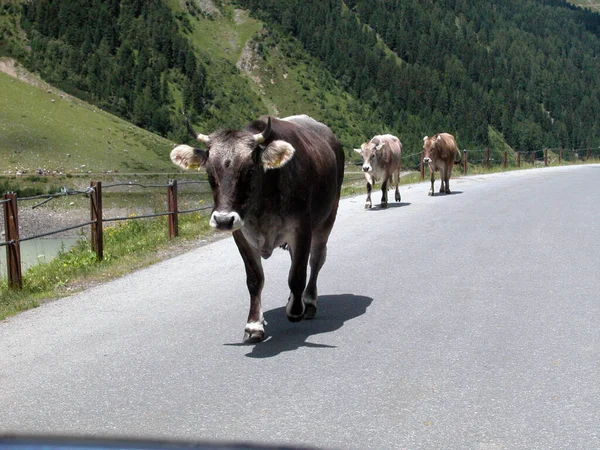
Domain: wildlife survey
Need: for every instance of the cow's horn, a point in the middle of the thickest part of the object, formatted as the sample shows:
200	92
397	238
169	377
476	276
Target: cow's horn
198	136
261	137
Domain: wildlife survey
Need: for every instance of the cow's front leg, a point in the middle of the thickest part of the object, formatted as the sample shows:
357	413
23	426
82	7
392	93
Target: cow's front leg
370	183
384	193
299	252
255	278
431	191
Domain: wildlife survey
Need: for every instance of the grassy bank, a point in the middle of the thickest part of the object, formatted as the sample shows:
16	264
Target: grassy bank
128	245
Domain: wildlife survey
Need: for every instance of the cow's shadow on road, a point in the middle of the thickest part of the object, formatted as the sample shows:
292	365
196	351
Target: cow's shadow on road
283	336
391	205
441	194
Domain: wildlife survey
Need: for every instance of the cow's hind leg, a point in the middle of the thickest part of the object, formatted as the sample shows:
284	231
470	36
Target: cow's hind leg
397	183
318	255
443	180
448	172
255	326
299	252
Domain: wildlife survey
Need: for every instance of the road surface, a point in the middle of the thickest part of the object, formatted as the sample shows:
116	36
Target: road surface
470	320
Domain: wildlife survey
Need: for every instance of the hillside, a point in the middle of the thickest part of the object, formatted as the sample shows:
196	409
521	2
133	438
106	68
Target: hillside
479	70
593	5
529	69
46	129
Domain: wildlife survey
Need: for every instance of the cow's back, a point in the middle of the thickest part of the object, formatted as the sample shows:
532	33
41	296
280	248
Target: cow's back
446	147
392	152
306	180
326	134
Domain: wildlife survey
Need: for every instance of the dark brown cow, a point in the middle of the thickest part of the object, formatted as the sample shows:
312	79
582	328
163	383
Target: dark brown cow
275	184
441	153
381	160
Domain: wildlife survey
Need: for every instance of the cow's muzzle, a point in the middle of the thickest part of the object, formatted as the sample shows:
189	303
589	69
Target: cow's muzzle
226	221
366	168
426	160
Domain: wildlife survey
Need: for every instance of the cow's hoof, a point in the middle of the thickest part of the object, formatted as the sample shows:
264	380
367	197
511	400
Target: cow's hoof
310	312
398	199
294	319
367	206
448	191
295	309
430	193
253	337
384	204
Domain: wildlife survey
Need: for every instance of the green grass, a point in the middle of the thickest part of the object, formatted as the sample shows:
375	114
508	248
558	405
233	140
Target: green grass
40	127
128	245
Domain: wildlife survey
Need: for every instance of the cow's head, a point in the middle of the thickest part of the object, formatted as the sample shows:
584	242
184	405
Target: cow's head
429	145
235	163
369	152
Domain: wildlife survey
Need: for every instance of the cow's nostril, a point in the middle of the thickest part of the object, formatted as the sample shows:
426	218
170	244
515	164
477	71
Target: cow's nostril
365	169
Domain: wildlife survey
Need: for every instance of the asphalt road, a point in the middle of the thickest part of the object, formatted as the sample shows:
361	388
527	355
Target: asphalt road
470	321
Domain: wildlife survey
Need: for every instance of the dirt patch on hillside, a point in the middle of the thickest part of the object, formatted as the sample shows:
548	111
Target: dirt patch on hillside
10	67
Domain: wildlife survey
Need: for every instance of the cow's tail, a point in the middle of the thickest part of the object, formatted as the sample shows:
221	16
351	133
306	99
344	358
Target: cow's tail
459	154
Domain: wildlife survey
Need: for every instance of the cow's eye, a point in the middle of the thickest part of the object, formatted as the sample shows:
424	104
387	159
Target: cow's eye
373	156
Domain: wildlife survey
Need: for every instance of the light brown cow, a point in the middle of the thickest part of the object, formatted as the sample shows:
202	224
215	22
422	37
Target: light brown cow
381	160
441	153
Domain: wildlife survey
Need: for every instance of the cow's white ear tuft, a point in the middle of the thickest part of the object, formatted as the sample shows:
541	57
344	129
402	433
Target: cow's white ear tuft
188	157
425	138
357	150
439	138
277	154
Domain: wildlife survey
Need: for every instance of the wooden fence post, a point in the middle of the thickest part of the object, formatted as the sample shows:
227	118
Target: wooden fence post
518	159
172	205
422	168
545	157
96	211
560	156
465	164
533	158
487	158
13	249
587	154
505	158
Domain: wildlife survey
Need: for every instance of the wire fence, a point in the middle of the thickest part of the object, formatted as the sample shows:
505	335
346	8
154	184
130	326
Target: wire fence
12	238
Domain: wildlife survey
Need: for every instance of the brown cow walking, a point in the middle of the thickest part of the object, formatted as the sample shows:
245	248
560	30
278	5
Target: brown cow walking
440	152
275	183
381	160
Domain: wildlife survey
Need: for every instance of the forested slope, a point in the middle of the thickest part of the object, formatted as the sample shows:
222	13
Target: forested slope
530	69
525	71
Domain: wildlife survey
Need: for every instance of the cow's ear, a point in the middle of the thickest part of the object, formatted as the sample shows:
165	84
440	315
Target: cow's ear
439	138
188	157
277	154
425	138
379	146
358	150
